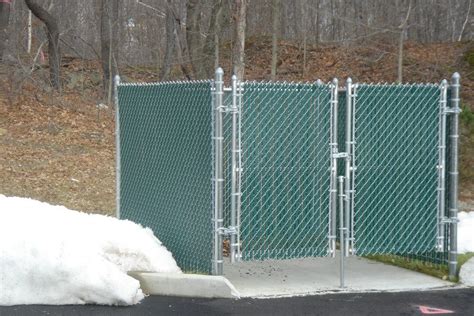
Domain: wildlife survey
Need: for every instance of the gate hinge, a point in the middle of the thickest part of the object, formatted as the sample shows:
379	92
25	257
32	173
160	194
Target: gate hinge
227	231
452	110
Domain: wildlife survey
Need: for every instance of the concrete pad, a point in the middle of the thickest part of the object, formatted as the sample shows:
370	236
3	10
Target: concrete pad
466	275
321	275
191	285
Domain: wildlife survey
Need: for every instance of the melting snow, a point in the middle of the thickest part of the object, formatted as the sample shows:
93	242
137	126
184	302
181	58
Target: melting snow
466	232
52	255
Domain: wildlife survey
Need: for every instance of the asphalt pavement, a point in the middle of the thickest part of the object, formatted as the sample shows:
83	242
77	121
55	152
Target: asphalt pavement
440	302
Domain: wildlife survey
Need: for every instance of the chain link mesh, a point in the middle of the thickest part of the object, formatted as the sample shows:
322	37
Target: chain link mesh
396	178
286	157
166	166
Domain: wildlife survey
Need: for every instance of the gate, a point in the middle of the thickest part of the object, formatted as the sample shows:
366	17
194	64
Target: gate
286	160
397	136
277	170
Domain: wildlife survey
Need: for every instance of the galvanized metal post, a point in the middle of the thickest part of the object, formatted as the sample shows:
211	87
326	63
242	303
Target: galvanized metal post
347	178
218	171
442	166
353	168
453	173
239	164
117	147
342	229
236	169
333	171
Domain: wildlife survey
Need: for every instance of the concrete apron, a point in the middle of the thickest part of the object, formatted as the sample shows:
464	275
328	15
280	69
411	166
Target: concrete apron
277	278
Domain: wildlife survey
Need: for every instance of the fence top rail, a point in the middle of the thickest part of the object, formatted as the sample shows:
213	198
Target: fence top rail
163	83
403	85
285	83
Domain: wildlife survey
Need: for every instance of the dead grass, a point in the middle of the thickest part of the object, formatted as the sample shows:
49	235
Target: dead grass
56	148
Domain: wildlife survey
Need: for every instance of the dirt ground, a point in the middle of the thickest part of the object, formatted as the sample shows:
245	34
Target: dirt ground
60	147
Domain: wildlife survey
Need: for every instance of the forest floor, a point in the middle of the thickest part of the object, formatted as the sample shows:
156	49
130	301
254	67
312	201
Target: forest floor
59	147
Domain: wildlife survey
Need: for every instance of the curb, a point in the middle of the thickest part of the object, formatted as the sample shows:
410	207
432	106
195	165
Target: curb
188	285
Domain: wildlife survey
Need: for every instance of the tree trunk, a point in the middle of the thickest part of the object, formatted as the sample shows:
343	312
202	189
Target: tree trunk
276	23
239	11
109	44
465	21
181	53
211	47
403	28
193	38
52	33
170	41
5	8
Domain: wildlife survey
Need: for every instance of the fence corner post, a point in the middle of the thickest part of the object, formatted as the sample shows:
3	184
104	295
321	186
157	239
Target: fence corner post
218	172
117	147
453	177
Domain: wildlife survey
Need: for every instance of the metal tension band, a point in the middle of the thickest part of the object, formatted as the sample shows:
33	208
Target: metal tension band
227	231
340	155
450	220
452	110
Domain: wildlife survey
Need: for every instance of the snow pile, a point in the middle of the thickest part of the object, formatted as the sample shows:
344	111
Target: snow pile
52	255
466	232
466	275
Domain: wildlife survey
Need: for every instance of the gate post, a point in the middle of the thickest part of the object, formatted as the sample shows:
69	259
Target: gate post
348	166
442	166
117	147
333	171
236	172
218	171
453	173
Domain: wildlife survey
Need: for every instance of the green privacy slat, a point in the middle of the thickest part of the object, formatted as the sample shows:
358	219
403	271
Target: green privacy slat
285	143
396	177
166	155
167	165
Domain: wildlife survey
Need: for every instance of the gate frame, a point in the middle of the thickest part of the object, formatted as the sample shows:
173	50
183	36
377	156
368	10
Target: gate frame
233	231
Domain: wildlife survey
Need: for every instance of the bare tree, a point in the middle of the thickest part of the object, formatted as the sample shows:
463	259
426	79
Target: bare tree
211	48
193	37
109	44
52	32
4	21
239	12
403	29
275	35
465	21
170	25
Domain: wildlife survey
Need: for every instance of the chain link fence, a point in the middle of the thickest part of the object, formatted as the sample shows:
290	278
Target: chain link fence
366	165
166	166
